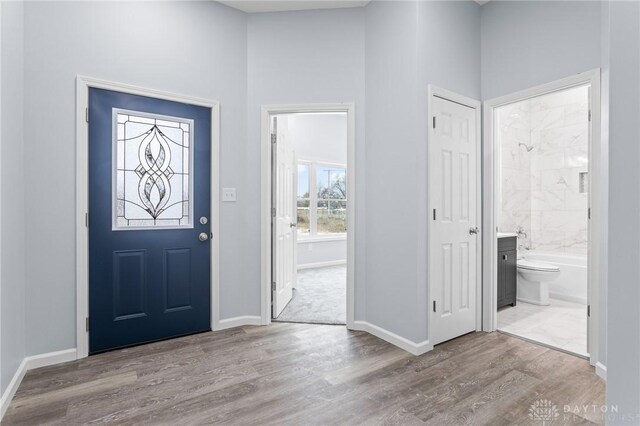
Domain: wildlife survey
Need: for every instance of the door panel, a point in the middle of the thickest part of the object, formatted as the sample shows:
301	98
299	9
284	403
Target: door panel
149	183
177	279
129	271
284	267
453	176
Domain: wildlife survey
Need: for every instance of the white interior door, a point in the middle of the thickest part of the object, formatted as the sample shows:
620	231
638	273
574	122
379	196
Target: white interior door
454	240
284	218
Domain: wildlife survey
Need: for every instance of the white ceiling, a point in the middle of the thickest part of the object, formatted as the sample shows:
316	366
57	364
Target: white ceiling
256	6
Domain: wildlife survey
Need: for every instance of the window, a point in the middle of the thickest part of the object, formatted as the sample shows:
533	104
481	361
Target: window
304	200
322	199
153	156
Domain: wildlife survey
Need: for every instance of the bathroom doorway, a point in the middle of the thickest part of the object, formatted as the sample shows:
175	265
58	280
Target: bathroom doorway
544	185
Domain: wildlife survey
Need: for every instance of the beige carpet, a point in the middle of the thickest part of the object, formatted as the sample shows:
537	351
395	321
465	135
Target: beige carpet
320	297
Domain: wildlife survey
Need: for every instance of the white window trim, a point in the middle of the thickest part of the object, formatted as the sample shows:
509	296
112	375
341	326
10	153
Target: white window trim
313	235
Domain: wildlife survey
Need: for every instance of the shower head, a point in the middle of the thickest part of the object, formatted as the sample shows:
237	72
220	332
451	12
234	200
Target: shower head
529	148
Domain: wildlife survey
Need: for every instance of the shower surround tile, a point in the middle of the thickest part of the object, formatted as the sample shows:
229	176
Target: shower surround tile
544	149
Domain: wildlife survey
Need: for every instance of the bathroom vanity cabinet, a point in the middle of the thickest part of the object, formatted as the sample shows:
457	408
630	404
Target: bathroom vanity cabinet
507	270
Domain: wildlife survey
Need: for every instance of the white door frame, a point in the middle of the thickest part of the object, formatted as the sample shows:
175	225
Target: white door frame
598	196
433	92
82	195
265	201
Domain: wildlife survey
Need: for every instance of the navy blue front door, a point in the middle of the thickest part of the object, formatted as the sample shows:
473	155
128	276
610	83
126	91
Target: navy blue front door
149	213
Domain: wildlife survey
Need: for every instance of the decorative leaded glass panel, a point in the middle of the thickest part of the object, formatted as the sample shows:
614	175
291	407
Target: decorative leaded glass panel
152	173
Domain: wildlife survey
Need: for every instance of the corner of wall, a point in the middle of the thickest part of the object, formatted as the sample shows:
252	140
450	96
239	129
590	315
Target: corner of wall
12	303
415	348
31	363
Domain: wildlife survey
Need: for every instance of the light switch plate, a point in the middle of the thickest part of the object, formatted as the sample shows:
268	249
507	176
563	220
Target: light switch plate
228	194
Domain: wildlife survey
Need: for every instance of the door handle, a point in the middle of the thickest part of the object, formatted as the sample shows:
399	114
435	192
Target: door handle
293	225
505	257
475	230
203	236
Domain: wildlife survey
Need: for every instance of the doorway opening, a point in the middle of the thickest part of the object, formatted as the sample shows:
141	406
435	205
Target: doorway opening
542	204
308	234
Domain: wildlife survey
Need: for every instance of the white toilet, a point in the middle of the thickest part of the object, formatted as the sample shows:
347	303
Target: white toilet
533	281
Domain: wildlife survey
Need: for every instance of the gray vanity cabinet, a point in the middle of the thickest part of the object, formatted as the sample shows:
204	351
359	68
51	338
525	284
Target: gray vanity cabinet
507	271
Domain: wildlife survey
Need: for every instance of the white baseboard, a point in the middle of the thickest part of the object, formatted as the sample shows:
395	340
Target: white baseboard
8	394
238	322
399	341
601	371
322	264
568	298
30	363
43	360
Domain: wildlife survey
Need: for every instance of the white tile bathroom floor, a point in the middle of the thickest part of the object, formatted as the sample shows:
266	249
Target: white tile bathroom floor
561	324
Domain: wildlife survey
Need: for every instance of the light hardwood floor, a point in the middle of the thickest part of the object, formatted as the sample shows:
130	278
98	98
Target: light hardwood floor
305	374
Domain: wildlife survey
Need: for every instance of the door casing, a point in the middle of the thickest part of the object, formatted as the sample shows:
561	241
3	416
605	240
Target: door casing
598	202
433	92
83	84
265	199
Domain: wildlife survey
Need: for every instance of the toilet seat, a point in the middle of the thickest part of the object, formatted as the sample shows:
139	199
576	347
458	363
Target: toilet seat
537	266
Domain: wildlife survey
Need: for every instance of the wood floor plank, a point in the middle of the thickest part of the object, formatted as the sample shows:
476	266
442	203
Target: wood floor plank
302	374
69	392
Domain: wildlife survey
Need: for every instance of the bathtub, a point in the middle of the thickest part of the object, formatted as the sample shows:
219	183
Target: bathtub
571	284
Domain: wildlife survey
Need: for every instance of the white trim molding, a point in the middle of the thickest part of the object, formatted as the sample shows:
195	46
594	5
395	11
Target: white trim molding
238	322
598	204
30	363
265	199
396	340
50	358
82	199
322	264
12	388
601	371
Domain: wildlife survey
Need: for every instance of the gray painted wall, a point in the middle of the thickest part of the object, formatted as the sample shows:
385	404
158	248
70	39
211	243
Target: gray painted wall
527	43
408	46
12	308
204	44
623	368
319	137
305	57
314	252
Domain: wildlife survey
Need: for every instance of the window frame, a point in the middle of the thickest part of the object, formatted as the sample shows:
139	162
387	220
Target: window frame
313	201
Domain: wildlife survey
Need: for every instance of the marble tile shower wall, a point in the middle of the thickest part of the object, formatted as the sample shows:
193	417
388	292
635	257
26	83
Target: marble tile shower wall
515	139
545	152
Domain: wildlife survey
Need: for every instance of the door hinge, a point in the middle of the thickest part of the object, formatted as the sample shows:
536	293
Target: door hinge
434	306
86	220
273	286
434	121
86	324
273	212
86	114
434	214
589	310
589	115
274	138
589	213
